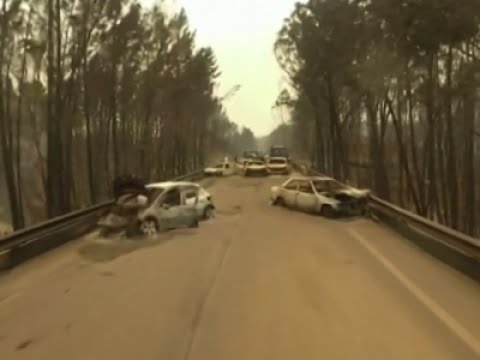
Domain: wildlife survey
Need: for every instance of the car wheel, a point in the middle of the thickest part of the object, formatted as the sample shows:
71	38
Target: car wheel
194	224
327	211
279	202
209	213
149	227
364	211
104	232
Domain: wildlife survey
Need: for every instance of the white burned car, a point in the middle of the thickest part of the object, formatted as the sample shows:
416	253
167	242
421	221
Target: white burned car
255	167
175	205
222	169
321	195
278	165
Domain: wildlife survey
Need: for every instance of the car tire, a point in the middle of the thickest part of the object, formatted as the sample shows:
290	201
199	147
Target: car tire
104	232
327	212
149	227
364	211
209	213
279	202
194	224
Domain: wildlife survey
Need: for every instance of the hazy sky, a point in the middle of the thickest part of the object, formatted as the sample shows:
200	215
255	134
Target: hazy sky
242	34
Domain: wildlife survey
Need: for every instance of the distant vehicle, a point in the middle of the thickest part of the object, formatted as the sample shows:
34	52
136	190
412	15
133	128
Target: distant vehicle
279	151
278	165
321	195
255	167
251	154
222	169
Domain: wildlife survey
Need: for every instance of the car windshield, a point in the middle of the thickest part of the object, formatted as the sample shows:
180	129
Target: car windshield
277	161
327	185
250	154
154	192
258	163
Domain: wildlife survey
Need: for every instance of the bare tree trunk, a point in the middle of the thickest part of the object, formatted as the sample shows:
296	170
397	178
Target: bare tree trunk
55	204
431	134
404	159
381	181
416	174
19	126
6	138
469	161
451	149
114	123
88	125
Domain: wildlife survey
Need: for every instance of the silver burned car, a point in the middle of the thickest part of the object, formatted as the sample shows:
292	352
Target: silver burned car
175	204
168	209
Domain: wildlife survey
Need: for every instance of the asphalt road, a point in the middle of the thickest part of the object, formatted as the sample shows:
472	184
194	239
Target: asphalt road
257	282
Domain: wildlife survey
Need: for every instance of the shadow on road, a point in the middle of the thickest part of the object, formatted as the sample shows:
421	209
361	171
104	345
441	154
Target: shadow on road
101	250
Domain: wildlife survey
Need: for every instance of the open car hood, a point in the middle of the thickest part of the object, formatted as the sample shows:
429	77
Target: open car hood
350	194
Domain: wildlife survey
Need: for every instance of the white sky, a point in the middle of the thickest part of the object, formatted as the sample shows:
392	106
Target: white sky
242	34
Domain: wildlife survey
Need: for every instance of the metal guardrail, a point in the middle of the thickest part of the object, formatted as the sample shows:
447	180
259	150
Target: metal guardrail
22	245
450	246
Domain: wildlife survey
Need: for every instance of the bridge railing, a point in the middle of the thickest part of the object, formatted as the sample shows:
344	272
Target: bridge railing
22	245
457	249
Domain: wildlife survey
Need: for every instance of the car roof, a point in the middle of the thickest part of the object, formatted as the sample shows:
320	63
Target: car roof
256	161
171	184
311	178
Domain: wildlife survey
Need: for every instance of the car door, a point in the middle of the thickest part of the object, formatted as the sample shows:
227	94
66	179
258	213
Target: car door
306	199
187	211
194	199
170	209
289	193
227	169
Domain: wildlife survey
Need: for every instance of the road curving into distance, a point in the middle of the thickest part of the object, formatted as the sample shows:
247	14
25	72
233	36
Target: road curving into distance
257	282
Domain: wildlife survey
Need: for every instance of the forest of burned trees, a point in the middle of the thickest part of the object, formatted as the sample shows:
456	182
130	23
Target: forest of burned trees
90	89
384	94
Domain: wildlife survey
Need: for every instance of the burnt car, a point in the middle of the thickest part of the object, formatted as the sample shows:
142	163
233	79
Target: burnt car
322	195
142	209
255	168
278	166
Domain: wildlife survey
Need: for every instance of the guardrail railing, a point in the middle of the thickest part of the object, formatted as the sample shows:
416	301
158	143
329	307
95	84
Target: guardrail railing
22	245
458	250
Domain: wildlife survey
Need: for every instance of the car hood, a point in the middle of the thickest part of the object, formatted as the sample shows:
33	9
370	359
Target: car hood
350	194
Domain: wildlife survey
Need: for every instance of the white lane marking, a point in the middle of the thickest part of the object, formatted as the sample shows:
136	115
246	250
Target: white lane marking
463	334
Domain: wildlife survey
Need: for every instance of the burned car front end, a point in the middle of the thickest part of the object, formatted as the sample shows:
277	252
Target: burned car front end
348	203
339	199
256	168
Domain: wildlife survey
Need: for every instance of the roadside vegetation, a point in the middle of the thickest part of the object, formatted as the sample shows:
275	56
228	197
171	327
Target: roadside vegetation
384	93
92	89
